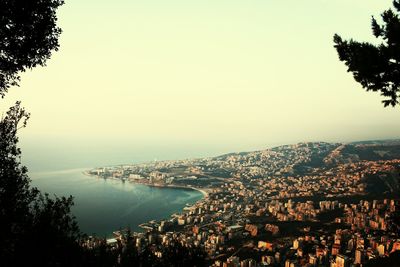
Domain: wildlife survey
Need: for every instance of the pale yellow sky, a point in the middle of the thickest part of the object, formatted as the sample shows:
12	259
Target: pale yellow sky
241	74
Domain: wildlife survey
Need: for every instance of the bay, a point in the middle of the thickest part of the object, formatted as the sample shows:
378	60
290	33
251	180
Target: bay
103	206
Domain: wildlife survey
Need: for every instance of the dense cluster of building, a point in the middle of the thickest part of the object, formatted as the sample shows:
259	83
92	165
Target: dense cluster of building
364	231
275	209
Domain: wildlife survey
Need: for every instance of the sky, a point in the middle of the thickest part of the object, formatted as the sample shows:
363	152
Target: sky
155	79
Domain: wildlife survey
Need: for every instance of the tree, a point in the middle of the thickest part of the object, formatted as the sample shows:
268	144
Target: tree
35	230
15	192
376	67
28	35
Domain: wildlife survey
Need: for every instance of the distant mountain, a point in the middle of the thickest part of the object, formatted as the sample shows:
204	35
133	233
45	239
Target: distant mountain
377	142
365	150
301	158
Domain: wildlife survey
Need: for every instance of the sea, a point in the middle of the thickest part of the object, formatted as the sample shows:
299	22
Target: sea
102	206
105	205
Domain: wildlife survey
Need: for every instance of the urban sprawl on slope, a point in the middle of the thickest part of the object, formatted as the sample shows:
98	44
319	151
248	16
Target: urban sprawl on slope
309	204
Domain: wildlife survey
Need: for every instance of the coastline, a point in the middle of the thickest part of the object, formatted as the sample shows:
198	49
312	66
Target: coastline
203	191
145	225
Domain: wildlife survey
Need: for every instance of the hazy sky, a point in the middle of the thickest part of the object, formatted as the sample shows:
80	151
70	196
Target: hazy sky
207	75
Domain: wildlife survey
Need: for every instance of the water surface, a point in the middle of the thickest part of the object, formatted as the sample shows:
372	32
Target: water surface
102	206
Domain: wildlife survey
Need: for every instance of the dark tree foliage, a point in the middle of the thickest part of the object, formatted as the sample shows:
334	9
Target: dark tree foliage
392	261
15	193
376	67
34	228
126	253
28	34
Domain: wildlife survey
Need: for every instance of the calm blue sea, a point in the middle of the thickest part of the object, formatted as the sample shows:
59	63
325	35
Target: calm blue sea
102	206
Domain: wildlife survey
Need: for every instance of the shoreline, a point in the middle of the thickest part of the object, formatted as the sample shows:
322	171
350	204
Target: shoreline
203	191
143	226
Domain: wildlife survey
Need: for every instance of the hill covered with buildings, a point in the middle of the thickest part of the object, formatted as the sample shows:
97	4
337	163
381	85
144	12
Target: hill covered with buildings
308	204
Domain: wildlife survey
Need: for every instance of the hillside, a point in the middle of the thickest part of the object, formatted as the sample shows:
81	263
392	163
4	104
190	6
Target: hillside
324	169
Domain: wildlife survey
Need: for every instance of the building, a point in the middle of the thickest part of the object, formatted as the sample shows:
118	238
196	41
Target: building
342	261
